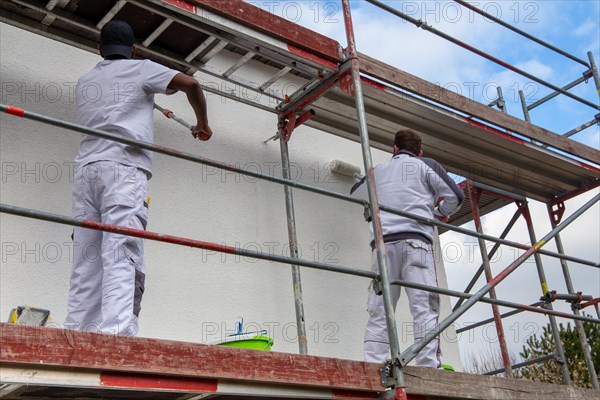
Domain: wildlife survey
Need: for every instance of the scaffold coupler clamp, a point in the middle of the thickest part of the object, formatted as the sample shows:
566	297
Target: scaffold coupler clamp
367	212
575	299
394	391
377	288
559	359
387	373
549	297
286	126
578	299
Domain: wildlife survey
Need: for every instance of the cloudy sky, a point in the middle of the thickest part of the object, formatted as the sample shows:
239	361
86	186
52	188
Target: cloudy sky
570	25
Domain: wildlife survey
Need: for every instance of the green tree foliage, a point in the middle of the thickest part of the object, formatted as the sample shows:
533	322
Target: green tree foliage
548	371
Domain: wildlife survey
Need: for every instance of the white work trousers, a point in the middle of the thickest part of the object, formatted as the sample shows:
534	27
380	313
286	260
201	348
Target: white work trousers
409	260
107	279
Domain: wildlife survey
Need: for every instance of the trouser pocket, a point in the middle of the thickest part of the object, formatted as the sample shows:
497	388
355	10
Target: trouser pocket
140	279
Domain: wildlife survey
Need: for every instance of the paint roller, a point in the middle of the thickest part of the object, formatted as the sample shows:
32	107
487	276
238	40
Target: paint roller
346	169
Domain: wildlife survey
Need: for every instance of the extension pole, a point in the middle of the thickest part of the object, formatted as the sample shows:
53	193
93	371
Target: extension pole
169	114
293	240
392	329
413	350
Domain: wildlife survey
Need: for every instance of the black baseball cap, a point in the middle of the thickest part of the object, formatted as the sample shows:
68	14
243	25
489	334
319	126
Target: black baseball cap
117	39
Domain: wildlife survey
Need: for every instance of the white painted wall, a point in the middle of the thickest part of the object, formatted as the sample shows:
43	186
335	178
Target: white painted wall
191	295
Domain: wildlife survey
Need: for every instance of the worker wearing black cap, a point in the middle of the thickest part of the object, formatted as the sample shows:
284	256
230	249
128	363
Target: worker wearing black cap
111	180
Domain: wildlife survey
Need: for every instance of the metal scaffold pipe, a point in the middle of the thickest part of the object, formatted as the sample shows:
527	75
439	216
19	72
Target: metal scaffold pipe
467	232
299	185
293	240
521	32
474	194
554	94
487	321
560	353
585	345
413	350
423	25
524	364
503	303
595	74
392	330
160	237
492	253
581	127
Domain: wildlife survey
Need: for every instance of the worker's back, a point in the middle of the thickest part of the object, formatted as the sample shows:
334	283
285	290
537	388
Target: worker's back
117	96
412	184
402	184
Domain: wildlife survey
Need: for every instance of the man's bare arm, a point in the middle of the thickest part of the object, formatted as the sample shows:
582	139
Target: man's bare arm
195	95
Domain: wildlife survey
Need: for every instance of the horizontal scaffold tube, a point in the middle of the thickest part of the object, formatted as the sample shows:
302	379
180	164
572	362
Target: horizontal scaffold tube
524	364
510	243
521	32
518	306
99	226
423	25
505	315
227	167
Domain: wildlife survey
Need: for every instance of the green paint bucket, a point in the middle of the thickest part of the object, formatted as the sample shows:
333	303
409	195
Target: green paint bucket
258	342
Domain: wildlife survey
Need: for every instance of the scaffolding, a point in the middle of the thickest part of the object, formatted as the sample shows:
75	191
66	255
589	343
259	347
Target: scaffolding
446	121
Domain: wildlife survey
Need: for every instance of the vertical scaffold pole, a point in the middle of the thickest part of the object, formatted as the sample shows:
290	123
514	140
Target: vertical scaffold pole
474	194
397	372
501	102
293	239
524	106
594	72
555	218
560	353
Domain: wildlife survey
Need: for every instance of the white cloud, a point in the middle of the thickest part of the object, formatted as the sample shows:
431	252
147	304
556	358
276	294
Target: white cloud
587	28
537	68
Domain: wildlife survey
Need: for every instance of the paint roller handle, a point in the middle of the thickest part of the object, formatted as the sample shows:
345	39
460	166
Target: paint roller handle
169	114
202	133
